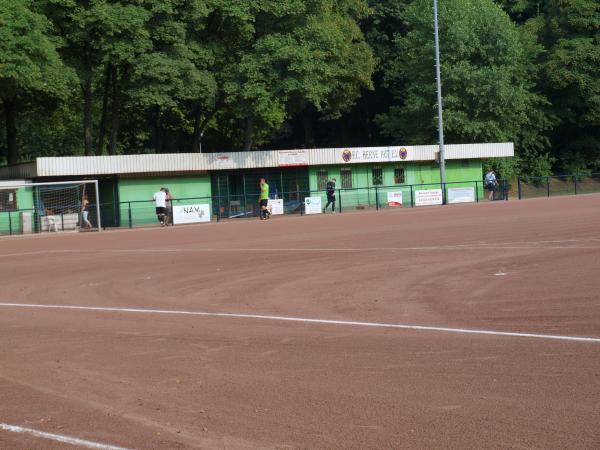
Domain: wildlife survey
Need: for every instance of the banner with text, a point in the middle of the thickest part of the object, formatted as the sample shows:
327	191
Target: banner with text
394	198
288	158
375	154
428	197
222	160
276	206
461	195
312	205
191	214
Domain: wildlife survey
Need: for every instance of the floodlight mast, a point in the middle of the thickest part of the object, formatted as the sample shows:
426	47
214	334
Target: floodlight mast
439	100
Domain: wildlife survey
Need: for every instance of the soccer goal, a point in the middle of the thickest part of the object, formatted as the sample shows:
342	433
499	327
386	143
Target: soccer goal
51	207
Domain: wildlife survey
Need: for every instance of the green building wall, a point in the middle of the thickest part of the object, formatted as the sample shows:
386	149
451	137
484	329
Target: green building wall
417	175
11	222
132	197
135	195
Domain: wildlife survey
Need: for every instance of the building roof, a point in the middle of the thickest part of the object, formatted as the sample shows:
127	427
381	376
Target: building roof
183	163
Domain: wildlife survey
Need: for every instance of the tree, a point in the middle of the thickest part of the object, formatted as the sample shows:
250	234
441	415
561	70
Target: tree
306	55
571	33
520	11
488	79
30	67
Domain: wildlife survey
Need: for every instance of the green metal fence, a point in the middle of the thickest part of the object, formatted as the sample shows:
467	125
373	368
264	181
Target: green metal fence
532	187
142	213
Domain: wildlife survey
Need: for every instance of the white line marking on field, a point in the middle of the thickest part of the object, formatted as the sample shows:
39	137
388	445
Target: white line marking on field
532	245
58	437
309	320
330	250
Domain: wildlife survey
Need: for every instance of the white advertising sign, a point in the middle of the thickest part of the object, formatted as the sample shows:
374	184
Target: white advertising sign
191	214
428	197
374	154
276	206
394	198
461	195
292	158
222	160
312	205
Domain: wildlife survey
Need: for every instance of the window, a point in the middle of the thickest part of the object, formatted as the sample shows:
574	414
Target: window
346	173
399	175
8	200
377	174
322	179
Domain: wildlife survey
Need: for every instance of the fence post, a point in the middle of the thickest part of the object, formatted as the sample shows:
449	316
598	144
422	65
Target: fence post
412	203
129	215
548	185
444	194
376	199
340	200
9	224
62	221
477	191
575	183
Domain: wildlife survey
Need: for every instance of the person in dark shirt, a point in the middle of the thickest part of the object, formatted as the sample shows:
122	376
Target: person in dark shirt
330	190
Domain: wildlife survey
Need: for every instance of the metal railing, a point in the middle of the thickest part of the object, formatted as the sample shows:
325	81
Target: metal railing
533	187
141	213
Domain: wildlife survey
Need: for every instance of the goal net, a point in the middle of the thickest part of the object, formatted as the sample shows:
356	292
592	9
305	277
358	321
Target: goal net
50	207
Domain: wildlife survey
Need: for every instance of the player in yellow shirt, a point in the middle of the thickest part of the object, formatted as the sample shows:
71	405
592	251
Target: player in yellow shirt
264	200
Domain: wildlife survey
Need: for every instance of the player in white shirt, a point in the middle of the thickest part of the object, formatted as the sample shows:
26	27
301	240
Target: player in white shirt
490	183
160	201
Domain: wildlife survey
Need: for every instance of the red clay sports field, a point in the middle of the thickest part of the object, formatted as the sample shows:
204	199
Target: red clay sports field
466	327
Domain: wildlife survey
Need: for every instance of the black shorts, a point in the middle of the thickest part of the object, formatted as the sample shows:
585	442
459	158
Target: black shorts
264	202
331	197
160	210
490	187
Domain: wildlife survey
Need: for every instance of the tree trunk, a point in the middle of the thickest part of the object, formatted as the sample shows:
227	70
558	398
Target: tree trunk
201	124
102	127
198	131
309	134
248	133
115	119
10	115
88	139
158	135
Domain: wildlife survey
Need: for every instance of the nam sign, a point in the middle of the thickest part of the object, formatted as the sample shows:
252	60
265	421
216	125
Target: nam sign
191	214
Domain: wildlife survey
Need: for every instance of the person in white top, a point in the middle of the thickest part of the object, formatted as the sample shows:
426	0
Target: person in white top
160	201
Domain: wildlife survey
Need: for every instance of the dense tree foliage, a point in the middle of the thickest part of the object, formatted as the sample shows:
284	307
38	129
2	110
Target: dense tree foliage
113	76
31	70
488	75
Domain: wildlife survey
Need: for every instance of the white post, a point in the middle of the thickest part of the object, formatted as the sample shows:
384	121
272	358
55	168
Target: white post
439	99
98	206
